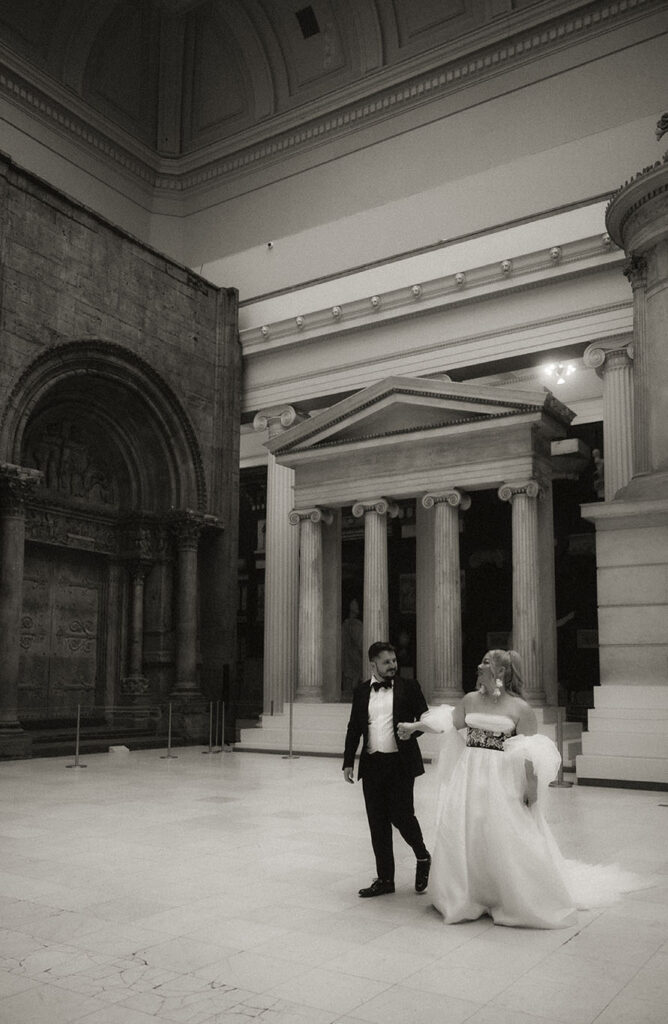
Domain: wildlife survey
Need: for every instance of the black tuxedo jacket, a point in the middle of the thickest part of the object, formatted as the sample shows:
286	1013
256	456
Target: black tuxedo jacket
409	704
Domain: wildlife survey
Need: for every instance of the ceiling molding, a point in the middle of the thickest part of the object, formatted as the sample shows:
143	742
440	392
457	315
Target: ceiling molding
411	84
474	283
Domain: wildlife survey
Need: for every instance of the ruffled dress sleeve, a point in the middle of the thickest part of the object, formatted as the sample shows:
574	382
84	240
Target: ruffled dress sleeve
539	750
451	747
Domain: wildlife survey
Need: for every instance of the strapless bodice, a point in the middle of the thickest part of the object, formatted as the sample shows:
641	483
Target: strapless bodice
488	732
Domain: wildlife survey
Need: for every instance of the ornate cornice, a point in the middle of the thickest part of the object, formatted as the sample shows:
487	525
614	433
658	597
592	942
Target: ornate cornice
255	148
448	290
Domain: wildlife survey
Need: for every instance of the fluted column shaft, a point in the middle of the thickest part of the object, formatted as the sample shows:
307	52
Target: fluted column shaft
187	527
281	570
447	602
16	485
376	615
614	364
310	625
527	633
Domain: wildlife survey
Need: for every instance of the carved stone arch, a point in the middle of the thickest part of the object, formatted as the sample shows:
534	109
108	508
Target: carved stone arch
106	395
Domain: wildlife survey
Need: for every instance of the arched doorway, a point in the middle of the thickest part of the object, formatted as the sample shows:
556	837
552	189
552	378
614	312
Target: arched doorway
120	464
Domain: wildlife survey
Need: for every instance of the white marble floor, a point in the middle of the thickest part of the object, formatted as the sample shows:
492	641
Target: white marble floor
222	889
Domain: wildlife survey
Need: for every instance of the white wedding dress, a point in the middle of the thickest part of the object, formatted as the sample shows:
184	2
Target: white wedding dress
493	854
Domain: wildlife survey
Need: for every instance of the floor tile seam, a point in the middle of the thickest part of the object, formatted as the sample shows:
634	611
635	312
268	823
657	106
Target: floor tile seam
617	994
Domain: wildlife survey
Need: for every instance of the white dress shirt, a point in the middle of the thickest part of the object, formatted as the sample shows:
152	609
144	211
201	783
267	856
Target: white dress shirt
381	724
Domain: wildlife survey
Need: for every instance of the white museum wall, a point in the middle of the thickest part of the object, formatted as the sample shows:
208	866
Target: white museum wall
570	139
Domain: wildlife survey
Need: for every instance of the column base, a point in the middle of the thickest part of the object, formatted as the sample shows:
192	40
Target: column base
447	695
309	697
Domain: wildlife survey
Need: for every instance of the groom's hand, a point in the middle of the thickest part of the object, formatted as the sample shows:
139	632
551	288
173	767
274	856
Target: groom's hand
349	774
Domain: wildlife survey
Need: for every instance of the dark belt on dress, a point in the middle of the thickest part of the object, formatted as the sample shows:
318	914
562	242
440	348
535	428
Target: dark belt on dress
484	739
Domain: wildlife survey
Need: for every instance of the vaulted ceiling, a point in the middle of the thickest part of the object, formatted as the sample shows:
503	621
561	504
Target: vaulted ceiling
176	97
181	75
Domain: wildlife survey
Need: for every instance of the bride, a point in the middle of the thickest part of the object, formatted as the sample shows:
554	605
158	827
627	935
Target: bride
494	852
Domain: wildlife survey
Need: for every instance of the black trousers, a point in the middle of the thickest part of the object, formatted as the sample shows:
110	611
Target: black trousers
388	796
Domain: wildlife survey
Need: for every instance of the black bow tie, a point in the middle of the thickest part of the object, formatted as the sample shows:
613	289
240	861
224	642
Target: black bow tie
382	686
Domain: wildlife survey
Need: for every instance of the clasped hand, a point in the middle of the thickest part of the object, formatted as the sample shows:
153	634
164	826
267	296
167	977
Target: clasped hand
405	730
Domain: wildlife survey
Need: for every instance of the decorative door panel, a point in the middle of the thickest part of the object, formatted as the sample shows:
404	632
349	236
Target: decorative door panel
35	640
62	602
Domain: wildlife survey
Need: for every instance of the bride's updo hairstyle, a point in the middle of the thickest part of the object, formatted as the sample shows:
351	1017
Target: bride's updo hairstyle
506	666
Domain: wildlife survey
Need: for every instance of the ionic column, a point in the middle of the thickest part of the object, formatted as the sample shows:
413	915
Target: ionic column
310	627
281	569
613	362
527	634
447	601
376	616
187	526
635	270
16	486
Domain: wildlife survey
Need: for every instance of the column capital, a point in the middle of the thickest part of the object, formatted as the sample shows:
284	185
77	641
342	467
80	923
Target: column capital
17	485
316	515
186	526
635	269
531	488
278	418
383	506
453	497
608	354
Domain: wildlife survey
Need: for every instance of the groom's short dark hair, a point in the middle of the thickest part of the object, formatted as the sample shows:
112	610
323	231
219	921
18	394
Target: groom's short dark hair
378	648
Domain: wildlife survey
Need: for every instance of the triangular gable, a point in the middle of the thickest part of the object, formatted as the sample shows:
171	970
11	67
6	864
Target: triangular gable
406	405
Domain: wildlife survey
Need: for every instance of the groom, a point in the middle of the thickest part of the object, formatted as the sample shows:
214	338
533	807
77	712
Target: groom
388	765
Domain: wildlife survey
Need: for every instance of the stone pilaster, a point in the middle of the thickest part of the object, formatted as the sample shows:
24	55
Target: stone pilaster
16	487
635	270
613	362
527	632
281	568
447	601
376	615
310	627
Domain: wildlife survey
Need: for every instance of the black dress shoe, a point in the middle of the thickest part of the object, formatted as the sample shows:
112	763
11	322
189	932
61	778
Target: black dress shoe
422	874
377	888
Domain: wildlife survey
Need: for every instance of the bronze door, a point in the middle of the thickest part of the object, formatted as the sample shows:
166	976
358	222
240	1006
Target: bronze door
63	598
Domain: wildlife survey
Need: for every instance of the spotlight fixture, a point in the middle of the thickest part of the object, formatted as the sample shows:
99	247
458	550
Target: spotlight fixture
559	371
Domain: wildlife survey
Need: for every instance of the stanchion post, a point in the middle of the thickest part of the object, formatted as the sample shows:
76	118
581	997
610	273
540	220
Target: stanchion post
77	764
218	749
210	750
169	754
290	756
559	781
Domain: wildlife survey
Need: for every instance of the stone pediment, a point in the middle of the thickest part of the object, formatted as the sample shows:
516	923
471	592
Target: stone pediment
400	406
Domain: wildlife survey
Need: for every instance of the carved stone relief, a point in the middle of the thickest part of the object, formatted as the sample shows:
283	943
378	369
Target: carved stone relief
73	464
